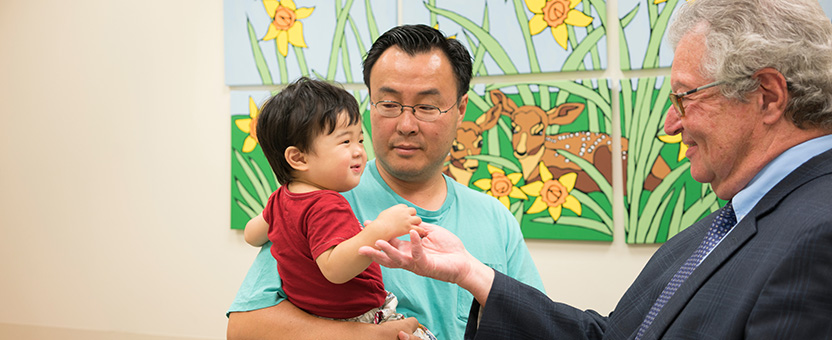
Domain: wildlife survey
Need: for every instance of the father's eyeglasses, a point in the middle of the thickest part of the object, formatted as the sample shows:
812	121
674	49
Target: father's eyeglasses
423	112
676	98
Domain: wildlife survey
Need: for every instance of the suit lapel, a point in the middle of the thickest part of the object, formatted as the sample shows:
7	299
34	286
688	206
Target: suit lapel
741	234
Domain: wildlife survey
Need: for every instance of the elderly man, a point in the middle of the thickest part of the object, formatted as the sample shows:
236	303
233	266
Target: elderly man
752	82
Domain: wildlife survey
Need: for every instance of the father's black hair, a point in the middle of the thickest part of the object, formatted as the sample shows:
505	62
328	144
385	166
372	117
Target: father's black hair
416	39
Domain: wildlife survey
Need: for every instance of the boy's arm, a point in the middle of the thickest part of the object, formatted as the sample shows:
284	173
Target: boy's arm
342	262
257	231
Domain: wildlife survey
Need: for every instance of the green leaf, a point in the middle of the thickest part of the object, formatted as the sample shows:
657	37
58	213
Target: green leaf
281	65
246	209
497	161
585	223
517	210
523	21
623	50
301	56
266	186
479	53
601	8
354	29
252	178
247	197
655	225
259	60
591	171
337	39
590	203
578	53
699	208
371	22
651	208
625	21
345	60
659	26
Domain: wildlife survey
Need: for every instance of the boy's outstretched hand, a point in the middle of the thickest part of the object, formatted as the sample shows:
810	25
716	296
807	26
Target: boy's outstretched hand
397	220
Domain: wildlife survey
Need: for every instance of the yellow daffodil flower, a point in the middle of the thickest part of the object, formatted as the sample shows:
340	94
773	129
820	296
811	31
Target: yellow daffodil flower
556	14
285	26
552	194
249	126
677	138
501	186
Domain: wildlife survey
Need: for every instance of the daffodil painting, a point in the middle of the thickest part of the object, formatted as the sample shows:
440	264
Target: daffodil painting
276	41
557	146
520	36
544	150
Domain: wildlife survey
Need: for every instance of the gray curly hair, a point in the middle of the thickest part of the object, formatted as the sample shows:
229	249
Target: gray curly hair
744	36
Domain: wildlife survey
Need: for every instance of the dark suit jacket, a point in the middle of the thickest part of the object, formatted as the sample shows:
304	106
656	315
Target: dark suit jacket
770	278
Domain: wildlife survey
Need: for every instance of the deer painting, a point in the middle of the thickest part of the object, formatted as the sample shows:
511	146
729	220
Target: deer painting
468	142
532	145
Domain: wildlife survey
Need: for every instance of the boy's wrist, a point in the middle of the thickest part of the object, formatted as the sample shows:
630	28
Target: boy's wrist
371	233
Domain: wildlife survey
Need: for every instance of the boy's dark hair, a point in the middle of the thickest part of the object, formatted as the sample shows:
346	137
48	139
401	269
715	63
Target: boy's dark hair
415	39
296	115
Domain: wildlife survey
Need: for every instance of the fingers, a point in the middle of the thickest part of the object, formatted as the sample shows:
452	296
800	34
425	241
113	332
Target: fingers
416	249
393	257
374	254
428	226
411	324
420	230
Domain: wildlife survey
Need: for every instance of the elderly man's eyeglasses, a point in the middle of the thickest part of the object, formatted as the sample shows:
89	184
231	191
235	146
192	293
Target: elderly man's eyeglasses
676	98
423	112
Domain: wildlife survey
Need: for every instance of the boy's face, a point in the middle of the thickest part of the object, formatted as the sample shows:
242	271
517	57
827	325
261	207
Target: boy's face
336	160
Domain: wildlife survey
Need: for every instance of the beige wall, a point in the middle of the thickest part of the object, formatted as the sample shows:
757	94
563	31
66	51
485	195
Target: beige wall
114	177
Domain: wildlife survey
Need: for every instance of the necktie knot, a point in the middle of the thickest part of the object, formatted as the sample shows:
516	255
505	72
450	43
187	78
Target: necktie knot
726	220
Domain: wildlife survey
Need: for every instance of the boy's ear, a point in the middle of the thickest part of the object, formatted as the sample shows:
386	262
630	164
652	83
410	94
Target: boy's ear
296	158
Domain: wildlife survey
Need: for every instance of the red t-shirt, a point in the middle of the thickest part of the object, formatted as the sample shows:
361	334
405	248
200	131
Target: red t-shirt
301	227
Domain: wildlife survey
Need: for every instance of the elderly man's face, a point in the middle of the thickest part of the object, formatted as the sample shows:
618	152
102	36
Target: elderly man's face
718	131
405	147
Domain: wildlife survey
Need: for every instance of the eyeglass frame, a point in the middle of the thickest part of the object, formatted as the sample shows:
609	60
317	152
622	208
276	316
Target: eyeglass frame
413	108
676	98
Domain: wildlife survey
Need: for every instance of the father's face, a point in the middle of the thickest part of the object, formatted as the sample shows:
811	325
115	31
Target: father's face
405	147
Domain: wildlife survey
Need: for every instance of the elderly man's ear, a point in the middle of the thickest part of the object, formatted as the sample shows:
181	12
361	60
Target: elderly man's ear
774	94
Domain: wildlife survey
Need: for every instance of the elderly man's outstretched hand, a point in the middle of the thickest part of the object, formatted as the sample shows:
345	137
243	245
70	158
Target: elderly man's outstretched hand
438	254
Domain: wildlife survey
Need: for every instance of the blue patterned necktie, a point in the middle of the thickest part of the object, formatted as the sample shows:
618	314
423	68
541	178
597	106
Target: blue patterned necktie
719	228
